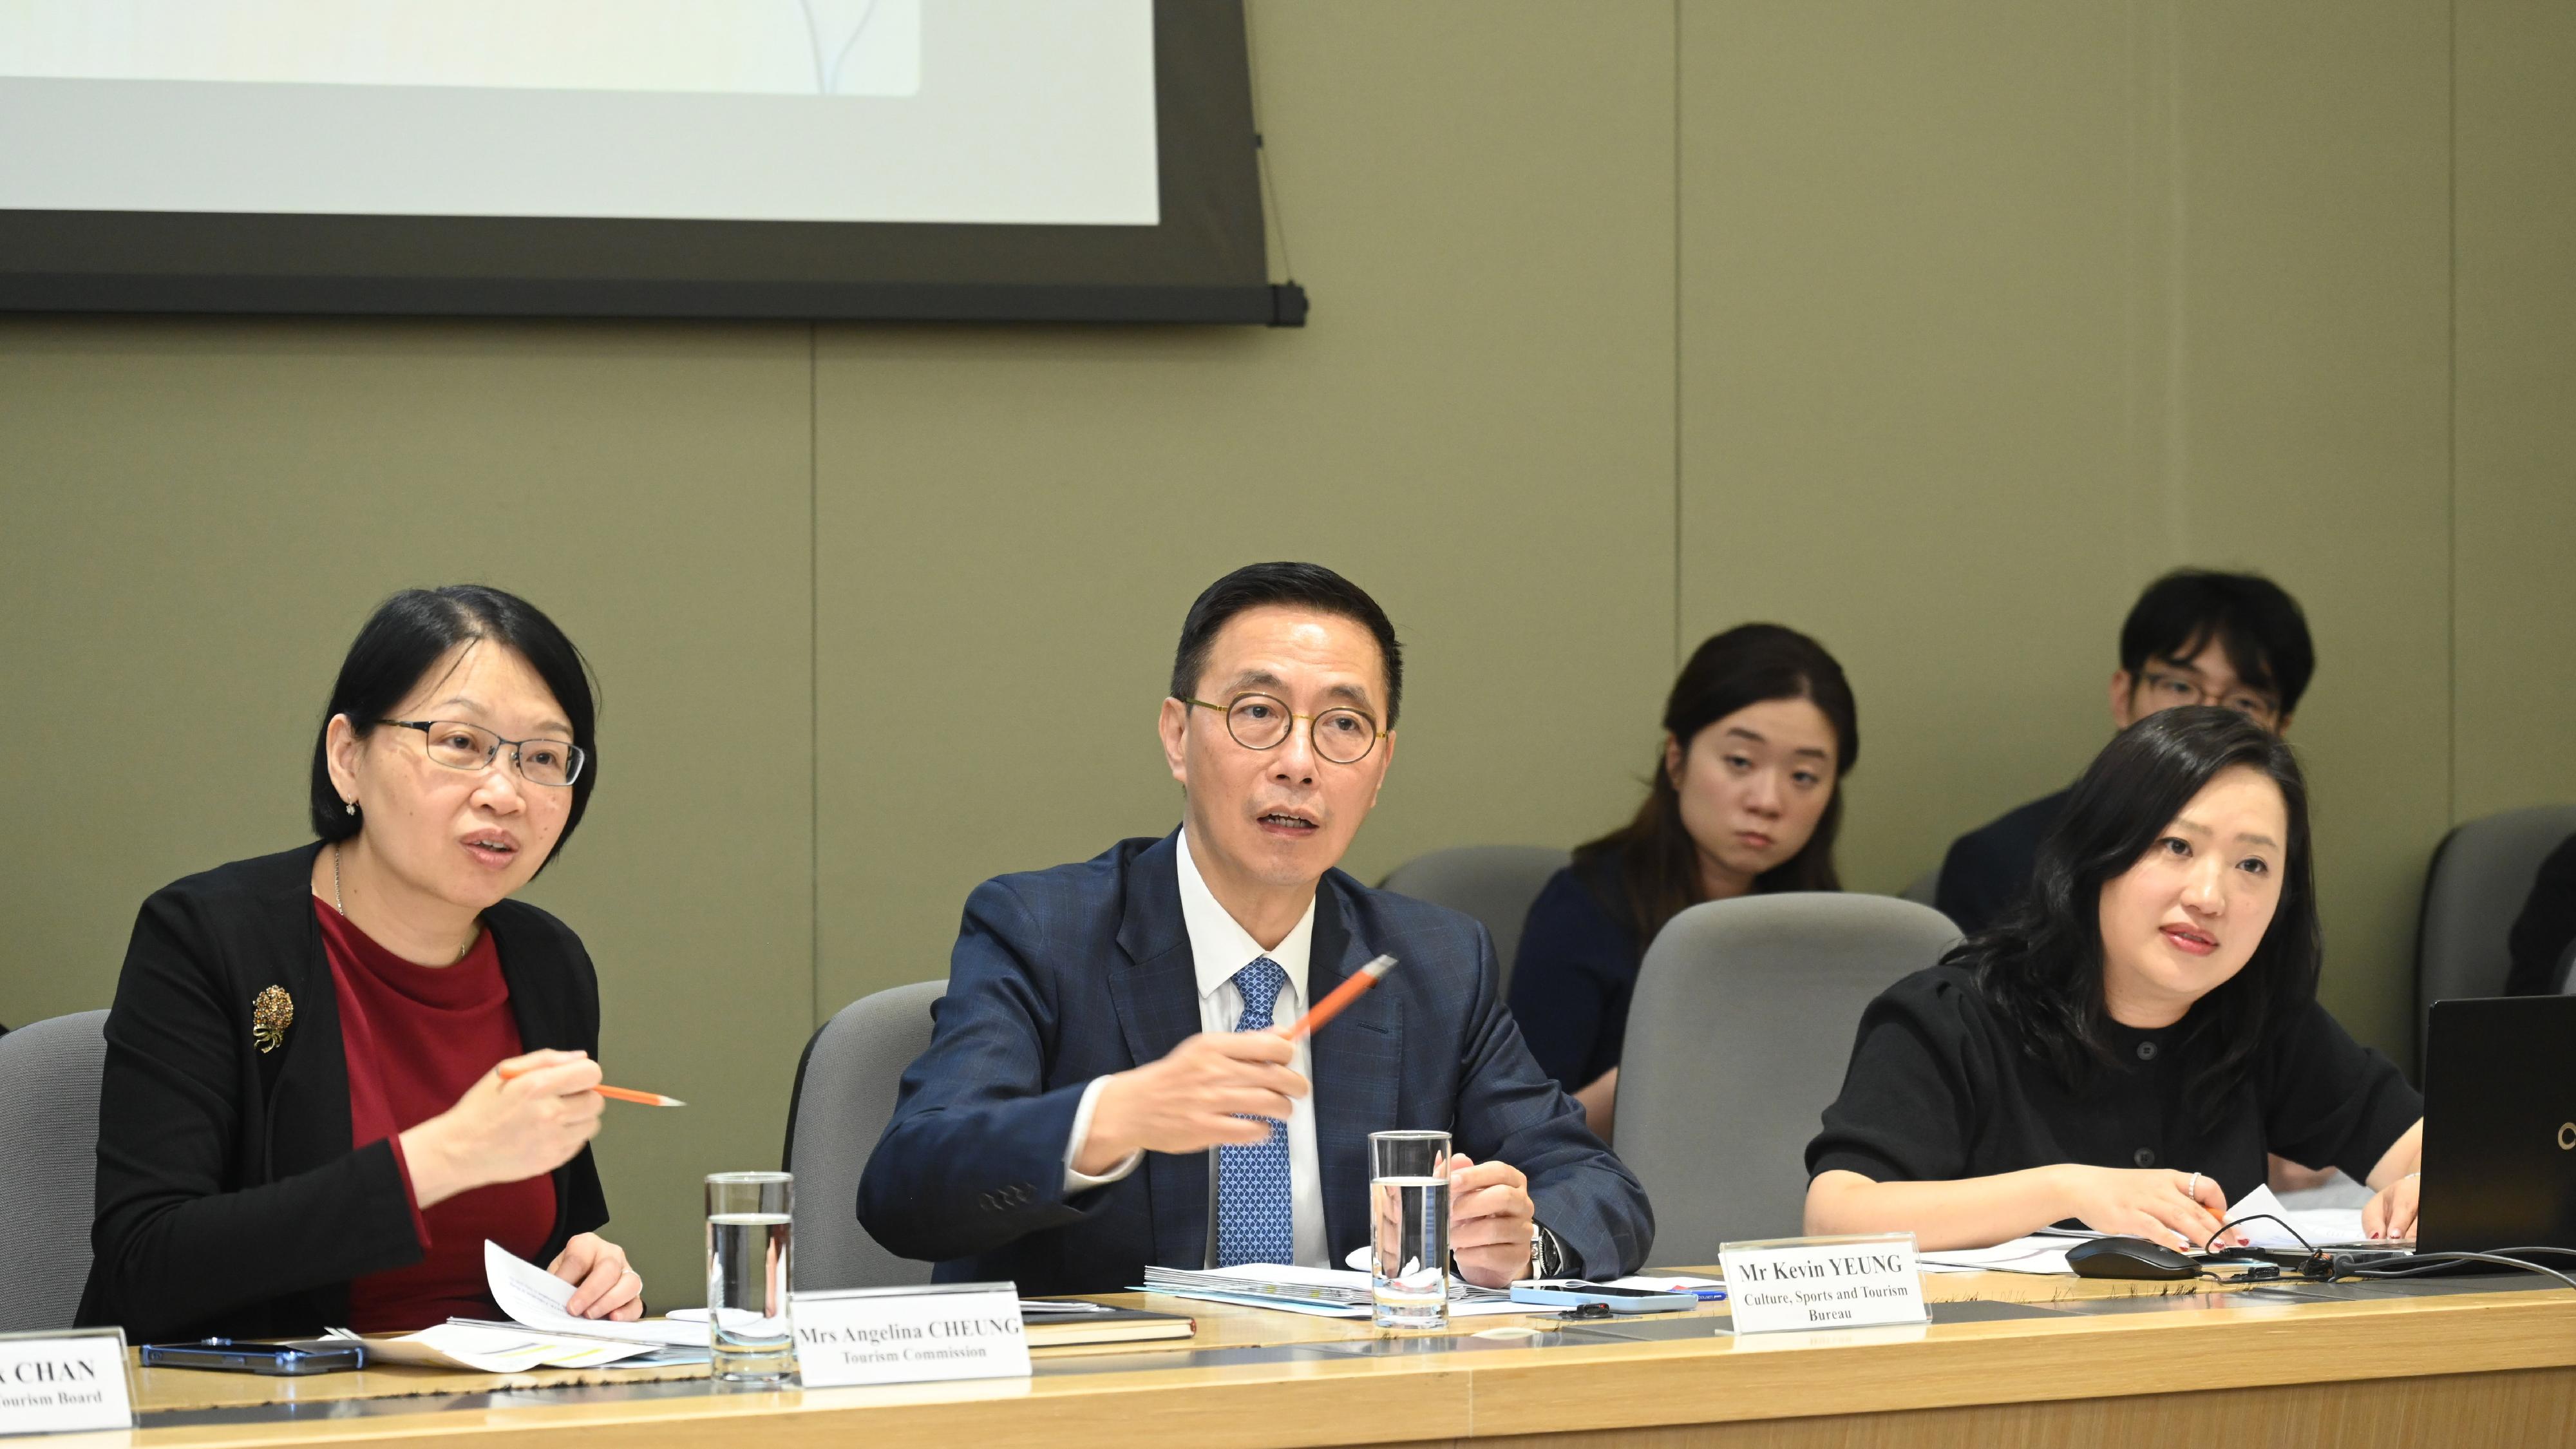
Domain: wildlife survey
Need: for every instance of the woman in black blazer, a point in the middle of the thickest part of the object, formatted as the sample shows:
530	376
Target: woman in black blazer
302	1121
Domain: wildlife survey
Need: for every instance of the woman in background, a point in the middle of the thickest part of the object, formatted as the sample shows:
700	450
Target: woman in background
303	1120
2124	1048
1759	730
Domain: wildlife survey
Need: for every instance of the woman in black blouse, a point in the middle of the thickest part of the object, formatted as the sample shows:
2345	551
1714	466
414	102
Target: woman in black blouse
1759	730
2124	1049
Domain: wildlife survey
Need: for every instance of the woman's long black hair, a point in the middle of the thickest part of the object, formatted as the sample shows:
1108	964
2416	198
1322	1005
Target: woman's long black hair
2042	963
1657	862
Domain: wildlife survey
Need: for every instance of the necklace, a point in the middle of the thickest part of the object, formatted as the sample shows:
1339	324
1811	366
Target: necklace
344	910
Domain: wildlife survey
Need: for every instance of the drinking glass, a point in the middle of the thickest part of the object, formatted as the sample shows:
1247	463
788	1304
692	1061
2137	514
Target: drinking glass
748	1225
1409	1229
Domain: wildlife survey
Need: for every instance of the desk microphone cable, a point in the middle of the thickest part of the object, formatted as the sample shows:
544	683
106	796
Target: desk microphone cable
2322	1266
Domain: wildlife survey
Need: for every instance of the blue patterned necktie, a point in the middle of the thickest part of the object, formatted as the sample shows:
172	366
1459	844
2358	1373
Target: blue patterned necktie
1254	1222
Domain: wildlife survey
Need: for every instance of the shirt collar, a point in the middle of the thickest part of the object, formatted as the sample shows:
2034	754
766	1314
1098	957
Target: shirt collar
1219	946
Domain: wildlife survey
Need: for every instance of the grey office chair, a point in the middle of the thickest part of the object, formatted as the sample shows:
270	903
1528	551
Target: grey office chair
845	1092
49	1074
1493	883
2480	877
1924	889
1738	1034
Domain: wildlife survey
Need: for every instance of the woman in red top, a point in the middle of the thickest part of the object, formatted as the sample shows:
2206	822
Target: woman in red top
303	1120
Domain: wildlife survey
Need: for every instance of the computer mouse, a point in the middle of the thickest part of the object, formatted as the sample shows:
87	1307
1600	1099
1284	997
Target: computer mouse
2128	1258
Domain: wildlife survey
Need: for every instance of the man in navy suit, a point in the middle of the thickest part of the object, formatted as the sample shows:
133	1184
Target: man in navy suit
1104	1090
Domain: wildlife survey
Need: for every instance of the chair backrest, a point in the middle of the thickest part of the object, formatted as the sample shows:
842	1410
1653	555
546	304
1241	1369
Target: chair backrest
49	1074
2480	877
1924	889
1493	883
1738	1036
845	1092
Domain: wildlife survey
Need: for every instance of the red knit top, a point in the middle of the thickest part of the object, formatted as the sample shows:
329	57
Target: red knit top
417	1037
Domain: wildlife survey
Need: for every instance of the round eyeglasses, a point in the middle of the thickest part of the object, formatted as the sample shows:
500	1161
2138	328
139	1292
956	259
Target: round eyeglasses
2173	689
1343	735
472	747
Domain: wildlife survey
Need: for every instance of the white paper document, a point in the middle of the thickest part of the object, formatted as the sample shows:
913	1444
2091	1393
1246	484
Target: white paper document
2034	1254
2322	1227
494	1349
1316	1292
532	1296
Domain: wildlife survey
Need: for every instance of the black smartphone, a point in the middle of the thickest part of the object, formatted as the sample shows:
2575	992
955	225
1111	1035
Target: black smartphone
287	1356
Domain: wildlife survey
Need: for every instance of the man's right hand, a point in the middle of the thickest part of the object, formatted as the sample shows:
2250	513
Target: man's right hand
1206	1093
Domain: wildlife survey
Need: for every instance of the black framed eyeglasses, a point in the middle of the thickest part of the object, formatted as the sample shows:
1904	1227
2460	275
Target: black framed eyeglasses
1341	735
2172	689
461	746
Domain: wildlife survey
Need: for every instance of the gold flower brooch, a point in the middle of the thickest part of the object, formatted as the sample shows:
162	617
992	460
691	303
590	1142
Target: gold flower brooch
271	1013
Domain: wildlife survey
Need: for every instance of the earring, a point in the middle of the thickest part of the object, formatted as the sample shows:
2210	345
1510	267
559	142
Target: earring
351	806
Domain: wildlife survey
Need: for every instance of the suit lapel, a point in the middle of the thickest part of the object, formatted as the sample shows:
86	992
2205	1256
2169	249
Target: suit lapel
1156	992
308	1099
1358	1060
305	1121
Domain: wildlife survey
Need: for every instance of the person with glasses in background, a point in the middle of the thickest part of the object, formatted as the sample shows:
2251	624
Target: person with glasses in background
304	1120
2128	1045
1106	1088
1759	730
2194	637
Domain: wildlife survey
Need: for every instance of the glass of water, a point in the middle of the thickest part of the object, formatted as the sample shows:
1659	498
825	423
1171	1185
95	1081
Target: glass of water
1409	1228
748	1216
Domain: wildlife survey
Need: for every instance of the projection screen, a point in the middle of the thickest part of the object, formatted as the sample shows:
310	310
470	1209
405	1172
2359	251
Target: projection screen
902	159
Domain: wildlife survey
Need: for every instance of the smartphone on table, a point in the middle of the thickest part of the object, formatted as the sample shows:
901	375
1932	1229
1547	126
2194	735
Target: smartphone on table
1574	1293
281	1356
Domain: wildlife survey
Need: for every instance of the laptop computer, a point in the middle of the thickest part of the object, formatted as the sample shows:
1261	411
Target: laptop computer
2500	1128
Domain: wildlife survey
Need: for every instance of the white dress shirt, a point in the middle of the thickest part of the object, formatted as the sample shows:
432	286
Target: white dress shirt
1219	947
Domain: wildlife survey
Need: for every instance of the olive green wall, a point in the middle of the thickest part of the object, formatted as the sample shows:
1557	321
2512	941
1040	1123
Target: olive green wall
1989	315
1934	334
2514	542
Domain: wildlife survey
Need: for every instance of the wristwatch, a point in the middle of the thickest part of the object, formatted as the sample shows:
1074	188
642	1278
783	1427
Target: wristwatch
1547	1255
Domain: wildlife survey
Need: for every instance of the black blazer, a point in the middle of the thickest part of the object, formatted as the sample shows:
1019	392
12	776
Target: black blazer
229	1200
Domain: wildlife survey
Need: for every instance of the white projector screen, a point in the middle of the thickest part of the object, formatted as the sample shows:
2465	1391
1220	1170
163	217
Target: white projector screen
893	160
1010	112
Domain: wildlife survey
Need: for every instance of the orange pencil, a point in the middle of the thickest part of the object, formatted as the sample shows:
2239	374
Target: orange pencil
649	1099
1342	996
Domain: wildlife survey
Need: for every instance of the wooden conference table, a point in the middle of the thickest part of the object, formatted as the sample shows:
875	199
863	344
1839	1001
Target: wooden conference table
2007	1361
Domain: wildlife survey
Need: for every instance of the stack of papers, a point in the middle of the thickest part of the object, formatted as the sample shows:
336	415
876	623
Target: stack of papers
1319	1292
542	1333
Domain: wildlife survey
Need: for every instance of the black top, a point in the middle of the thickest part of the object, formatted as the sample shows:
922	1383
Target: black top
229	1199
1576	968
1940	1088
1988	868
2544	935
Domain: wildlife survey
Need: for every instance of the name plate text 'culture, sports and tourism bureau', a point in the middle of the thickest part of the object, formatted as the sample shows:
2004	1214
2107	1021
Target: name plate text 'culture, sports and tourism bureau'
1804	1283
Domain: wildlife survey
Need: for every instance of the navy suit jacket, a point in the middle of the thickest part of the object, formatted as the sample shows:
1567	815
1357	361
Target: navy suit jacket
1063	975
1987	871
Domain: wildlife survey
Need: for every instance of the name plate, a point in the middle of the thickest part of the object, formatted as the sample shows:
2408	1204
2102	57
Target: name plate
1786	1283
58	1382
909	1335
